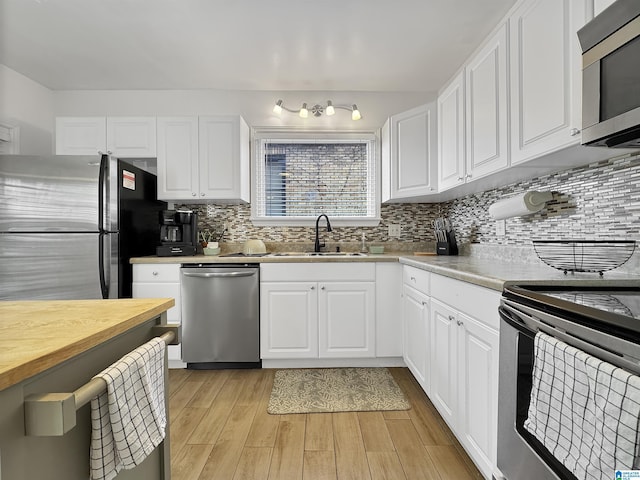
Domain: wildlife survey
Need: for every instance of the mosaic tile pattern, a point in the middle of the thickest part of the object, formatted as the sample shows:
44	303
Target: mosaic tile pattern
598	201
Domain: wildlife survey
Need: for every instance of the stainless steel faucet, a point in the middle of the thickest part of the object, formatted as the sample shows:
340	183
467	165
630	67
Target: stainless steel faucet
319	245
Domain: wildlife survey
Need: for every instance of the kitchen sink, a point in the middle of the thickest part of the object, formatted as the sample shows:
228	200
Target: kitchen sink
317	254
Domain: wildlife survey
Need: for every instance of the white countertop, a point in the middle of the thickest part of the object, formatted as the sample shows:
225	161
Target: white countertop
489	273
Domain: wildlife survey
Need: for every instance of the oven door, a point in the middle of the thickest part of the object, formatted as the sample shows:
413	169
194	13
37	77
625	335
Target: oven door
520	455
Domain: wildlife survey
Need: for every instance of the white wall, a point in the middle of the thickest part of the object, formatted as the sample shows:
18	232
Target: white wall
255	106
28	105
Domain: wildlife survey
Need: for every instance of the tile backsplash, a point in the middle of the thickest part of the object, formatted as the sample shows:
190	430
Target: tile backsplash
598	201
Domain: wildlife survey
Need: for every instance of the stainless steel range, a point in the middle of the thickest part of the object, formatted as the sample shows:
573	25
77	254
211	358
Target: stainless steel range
597	325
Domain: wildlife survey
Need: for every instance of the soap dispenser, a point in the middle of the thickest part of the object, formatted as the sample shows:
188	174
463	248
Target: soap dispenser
363	247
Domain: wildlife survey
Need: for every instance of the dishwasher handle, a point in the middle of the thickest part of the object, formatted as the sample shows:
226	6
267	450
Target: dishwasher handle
218	274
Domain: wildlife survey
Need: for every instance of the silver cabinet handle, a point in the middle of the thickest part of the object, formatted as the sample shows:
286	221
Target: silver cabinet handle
313	288
460	179
155	274
459	322
574	131
202	194
193	194
468	177
424	303
451	318
322	288
218	275
413	279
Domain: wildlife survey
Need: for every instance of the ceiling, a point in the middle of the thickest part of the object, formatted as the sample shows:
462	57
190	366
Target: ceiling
332	45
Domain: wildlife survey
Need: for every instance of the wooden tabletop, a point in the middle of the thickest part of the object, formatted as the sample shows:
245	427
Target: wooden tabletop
38	335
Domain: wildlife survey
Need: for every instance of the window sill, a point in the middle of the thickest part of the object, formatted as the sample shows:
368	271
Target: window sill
311	222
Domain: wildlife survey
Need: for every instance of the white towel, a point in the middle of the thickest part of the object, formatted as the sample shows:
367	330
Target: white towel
585	411
128	421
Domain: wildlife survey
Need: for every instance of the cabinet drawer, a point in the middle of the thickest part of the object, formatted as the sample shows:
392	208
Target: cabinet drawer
156	272
478	302
416	278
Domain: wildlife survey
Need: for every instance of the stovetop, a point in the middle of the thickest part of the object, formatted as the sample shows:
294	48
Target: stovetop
603	308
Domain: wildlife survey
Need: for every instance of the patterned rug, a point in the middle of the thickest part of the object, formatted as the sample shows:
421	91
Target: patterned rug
335	390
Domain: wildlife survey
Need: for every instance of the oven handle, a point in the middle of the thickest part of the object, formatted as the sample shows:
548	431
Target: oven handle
526	322
510	316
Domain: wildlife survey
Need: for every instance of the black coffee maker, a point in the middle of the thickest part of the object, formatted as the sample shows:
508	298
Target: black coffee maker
178	233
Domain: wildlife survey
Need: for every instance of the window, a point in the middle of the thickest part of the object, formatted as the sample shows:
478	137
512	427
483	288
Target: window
299	176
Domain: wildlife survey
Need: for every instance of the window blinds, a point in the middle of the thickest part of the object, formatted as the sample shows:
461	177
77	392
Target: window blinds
304	178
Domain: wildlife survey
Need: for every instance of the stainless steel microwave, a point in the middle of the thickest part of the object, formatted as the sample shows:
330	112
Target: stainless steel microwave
611	77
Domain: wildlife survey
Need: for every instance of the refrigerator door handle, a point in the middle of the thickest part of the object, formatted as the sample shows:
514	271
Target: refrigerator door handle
102	192
104	271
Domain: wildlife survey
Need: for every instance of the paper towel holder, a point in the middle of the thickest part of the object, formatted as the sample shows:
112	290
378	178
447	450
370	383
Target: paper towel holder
522	204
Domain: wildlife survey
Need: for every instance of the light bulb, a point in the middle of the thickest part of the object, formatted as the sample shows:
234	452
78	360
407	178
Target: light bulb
304	113
330	110
355	113
277	108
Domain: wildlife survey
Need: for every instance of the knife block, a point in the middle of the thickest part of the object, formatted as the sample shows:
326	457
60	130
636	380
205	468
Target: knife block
450	247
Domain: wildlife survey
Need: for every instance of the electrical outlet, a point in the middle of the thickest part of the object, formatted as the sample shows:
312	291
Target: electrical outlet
501	228
394	230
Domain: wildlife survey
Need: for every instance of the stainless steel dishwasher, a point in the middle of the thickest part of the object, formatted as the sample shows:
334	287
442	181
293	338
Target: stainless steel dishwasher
220	316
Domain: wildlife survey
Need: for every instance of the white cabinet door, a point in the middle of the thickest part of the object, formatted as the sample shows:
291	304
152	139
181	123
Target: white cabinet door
478	416
160	281
415	332
224	158
288	320
131	137
410	153
451	156
545	77
486	108
346	319
81	135
177	158
444	361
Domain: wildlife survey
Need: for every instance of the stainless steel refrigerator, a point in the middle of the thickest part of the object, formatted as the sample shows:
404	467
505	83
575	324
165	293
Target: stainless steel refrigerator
70	224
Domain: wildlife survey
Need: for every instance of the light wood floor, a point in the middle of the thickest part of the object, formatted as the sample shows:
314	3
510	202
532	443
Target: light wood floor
220	429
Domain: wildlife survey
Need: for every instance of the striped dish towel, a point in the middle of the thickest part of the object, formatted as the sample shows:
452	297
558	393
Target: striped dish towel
585	411
128	421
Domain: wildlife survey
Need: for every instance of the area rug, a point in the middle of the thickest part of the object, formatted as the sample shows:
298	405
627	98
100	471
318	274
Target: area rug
335	390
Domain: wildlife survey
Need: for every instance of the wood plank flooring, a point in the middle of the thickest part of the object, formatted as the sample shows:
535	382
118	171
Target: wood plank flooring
220	429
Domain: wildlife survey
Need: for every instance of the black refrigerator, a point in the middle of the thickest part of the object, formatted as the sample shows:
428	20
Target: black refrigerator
70	224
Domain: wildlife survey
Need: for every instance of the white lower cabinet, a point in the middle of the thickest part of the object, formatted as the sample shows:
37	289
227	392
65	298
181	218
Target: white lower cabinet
464	365
161	281
451	343
416	330
307	312
288	320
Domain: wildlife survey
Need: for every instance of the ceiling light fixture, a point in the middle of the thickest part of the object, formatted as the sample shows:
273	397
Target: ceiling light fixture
317	109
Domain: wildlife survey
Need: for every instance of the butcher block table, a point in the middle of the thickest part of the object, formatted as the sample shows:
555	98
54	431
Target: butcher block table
55	347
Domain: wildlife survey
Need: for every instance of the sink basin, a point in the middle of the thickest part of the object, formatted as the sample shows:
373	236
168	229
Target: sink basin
317	254
336	254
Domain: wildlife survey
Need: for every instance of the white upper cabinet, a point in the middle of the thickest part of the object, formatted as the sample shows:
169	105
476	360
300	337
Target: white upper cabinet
177	158
224	158
125	137
451	158
409	154
81	135
131	137
204	158
486	108
472	117
545	77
